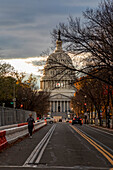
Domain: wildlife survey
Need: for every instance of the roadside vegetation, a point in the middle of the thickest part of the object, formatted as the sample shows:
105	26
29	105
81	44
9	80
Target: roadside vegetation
17	91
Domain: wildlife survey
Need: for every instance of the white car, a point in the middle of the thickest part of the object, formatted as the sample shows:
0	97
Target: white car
50	120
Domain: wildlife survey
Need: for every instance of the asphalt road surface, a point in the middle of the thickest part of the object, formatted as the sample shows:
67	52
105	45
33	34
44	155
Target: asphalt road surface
61	146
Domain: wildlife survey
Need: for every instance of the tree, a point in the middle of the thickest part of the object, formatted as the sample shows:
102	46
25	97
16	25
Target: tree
42	104
29	97
96	98
7	90
6	83
6	70
93	39
14	85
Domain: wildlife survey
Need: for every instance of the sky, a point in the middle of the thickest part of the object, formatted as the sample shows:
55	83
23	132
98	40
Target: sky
25	27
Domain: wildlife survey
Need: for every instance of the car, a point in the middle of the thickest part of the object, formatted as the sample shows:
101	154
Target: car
60	120
77	120
49	120
69	120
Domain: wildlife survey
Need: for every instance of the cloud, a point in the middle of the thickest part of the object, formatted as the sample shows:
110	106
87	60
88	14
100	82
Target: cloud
27	65
25	25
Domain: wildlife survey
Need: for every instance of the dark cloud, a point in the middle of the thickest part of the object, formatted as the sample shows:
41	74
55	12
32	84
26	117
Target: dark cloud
25	25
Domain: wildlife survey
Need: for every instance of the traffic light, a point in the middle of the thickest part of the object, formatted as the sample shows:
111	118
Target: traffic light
21	106
85	107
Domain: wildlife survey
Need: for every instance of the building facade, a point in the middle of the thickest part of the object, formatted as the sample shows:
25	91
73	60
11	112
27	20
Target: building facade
58	79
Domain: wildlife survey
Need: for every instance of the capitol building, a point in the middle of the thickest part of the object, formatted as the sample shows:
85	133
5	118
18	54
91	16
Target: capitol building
57	79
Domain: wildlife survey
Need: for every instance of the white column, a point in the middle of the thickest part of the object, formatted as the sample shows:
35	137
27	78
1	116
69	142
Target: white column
57	106
54	106
64	106
50	105
69	106
60	106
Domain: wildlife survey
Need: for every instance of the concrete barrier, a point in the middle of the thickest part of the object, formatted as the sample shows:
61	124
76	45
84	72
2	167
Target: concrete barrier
8	126
11	135
3	141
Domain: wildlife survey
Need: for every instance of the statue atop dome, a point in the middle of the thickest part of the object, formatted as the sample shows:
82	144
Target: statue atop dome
59	33
59	43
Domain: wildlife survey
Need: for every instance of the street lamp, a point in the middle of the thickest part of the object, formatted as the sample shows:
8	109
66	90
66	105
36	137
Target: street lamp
85	108
14	94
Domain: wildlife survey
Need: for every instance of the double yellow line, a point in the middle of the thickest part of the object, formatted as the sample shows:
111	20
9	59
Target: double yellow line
107	155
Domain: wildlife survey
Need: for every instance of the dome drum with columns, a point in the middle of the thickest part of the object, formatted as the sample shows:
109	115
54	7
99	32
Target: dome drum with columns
57	79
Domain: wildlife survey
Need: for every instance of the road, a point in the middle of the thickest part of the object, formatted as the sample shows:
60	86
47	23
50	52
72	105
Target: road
61	146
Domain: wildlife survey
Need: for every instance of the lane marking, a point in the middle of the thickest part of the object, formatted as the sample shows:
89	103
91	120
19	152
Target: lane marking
39	149
100	130
96	140
44	147
97	144
98	147
57	167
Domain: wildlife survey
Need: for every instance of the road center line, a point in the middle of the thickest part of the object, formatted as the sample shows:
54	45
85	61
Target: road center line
95	140
97	146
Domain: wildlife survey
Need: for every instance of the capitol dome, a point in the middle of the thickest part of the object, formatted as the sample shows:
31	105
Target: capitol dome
57	78
58	67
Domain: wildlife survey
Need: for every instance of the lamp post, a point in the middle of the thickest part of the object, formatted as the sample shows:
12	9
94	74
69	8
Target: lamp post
14	98
85	114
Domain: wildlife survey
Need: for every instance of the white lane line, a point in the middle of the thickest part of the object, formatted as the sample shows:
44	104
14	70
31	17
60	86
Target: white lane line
100	130
31	159
96	140
44	147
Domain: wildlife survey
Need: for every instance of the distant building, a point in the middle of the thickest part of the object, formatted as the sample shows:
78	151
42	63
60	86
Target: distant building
58	79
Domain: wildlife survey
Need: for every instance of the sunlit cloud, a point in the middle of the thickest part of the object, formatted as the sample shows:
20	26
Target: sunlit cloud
32	65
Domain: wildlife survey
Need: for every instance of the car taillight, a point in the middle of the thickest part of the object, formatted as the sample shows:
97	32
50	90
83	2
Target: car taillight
73	118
